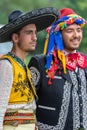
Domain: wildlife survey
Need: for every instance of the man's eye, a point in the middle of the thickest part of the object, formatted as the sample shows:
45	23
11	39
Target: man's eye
68	31
79	30
28	32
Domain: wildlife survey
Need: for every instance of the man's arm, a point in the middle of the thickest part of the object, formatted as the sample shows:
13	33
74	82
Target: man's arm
35	68
6	80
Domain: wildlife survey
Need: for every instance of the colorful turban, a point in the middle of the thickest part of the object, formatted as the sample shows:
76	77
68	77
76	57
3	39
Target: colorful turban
54	40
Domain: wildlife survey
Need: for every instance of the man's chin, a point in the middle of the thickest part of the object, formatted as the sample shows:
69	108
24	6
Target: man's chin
31	51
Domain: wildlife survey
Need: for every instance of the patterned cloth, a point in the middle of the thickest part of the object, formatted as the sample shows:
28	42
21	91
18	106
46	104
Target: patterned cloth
19	119
15	118
20	127
76	60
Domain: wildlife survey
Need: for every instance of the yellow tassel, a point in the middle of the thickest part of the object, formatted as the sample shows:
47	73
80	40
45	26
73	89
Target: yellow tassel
61	56
46	44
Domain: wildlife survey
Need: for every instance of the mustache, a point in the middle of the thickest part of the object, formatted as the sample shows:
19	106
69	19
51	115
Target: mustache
75	38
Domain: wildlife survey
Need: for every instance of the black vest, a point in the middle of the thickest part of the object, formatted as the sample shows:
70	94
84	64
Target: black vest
51	97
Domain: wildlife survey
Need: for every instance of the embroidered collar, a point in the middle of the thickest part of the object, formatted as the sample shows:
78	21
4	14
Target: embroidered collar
18	60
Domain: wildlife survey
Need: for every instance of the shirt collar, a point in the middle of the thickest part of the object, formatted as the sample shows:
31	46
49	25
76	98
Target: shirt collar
66	52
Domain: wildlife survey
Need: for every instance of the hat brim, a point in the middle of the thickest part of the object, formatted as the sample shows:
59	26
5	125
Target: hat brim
42	18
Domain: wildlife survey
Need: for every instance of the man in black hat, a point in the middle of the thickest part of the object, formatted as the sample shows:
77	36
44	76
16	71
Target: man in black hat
17	97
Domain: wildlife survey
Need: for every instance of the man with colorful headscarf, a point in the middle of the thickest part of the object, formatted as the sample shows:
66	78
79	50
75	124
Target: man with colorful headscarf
60	76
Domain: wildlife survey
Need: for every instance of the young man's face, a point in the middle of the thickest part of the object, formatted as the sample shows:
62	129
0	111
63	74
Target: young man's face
72	37
26	39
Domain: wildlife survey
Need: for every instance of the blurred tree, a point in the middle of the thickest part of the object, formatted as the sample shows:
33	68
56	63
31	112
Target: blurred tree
7	6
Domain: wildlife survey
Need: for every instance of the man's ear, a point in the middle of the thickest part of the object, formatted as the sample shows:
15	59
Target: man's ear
15	37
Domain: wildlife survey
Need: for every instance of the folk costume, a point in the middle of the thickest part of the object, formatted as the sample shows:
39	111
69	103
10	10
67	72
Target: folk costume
17	97
61	80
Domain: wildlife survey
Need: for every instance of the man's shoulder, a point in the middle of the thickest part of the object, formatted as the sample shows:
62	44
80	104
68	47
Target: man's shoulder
39	57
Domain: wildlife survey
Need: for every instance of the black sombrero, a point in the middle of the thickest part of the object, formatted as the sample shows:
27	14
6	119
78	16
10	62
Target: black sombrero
42	18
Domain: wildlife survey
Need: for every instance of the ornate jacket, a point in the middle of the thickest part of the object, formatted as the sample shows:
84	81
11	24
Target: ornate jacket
63	104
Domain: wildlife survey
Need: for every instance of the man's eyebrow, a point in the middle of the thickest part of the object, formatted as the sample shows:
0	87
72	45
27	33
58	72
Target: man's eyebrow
30	30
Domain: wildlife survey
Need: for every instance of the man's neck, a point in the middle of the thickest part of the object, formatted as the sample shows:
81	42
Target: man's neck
66	52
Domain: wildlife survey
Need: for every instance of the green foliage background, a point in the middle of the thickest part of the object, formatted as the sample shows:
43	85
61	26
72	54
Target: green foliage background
6	6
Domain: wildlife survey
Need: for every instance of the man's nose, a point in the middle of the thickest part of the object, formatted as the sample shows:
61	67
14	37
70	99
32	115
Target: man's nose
35	37
76	33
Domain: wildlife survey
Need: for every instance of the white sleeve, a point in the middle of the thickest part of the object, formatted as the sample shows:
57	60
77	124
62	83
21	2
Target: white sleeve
6	80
